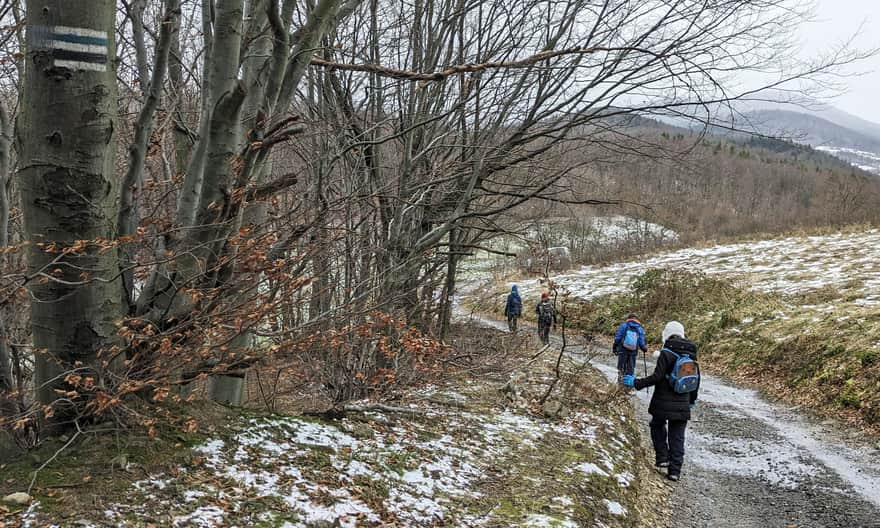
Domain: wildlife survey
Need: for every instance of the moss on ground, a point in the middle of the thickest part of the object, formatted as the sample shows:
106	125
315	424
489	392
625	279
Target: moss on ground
99	464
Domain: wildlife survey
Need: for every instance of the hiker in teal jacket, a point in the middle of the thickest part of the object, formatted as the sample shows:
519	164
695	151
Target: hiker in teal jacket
628	340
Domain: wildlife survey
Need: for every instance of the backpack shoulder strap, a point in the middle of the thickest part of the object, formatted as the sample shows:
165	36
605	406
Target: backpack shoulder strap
671	373
677	356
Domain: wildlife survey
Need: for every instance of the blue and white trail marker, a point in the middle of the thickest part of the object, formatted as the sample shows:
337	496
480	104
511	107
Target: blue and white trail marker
73	48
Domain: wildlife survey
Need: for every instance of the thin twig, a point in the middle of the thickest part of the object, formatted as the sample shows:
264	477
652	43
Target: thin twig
53	457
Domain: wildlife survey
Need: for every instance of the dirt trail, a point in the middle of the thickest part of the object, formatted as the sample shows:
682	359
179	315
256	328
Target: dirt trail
752	463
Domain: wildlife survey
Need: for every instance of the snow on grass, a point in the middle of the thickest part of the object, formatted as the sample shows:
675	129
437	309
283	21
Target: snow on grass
788	266
588	468
614	508
416	473
203	517
624	479
609	230
545	521
564	501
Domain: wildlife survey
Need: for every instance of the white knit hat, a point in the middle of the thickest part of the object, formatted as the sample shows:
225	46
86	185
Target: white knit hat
673	328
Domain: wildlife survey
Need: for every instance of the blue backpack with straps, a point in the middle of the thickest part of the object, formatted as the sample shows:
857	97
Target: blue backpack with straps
685	375
630	339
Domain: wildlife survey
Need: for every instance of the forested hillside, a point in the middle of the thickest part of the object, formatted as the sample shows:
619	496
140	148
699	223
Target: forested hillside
668	186
724	187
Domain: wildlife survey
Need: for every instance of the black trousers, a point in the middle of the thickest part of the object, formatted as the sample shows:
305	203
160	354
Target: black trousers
544	333
626	362
669	442
511	322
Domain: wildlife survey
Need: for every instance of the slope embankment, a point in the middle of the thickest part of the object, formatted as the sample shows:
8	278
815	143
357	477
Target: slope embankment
470	448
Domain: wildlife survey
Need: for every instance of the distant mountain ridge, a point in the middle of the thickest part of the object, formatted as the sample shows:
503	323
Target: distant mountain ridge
810	129
847	137
847	120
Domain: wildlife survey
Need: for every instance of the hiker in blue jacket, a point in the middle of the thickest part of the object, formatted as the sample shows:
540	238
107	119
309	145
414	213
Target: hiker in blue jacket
671	404
513	308
628	340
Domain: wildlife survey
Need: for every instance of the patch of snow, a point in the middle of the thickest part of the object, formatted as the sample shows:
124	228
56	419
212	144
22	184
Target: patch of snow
151	483
344	513
193	495
588	468
624	479
545	521
564	500
614	507
202	517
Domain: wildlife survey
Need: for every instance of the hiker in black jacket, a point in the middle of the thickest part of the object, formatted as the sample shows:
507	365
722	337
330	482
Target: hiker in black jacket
546	318
670	411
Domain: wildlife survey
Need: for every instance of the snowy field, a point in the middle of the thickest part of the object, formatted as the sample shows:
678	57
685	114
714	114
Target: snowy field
795	265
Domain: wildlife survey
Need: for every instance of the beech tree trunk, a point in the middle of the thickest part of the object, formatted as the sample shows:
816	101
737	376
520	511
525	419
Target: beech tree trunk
66	141
7	384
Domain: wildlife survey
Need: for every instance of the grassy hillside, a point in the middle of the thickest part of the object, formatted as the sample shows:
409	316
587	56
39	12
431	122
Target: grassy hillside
826	359
798	317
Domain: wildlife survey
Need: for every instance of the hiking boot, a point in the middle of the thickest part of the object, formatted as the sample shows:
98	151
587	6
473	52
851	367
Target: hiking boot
664	464
673	477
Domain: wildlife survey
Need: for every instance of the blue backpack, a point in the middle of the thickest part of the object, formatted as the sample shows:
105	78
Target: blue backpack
685	375
631	339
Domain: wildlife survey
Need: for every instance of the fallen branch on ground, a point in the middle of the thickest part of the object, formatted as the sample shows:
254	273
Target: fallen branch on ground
340	411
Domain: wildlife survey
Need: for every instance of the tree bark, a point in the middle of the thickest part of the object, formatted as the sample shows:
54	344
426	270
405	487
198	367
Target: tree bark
7	384
66	141
448	296
182	140
134	176
192	182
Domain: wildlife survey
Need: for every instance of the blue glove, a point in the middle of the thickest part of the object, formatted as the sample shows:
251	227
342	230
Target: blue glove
629	380
693	406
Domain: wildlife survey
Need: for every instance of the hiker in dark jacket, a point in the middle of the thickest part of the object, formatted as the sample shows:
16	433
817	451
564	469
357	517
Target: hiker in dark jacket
546	318
513	308
628	340
670	411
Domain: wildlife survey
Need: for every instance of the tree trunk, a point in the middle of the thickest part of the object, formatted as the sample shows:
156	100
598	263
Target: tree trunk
448	296
193	179
132	182
227	389
7	405
67	150
182	140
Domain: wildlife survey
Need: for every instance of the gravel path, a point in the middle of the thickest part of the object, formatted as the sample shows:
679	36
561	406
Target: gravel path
752	463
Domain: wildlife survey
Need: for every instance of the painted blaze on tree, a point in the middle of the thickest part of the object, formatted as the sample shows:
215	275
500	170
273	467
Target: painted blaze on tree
65	136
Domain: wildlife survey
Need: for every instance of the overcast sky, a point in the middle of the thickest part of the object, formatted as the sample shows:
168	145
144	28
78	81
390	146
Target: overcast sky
836	21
